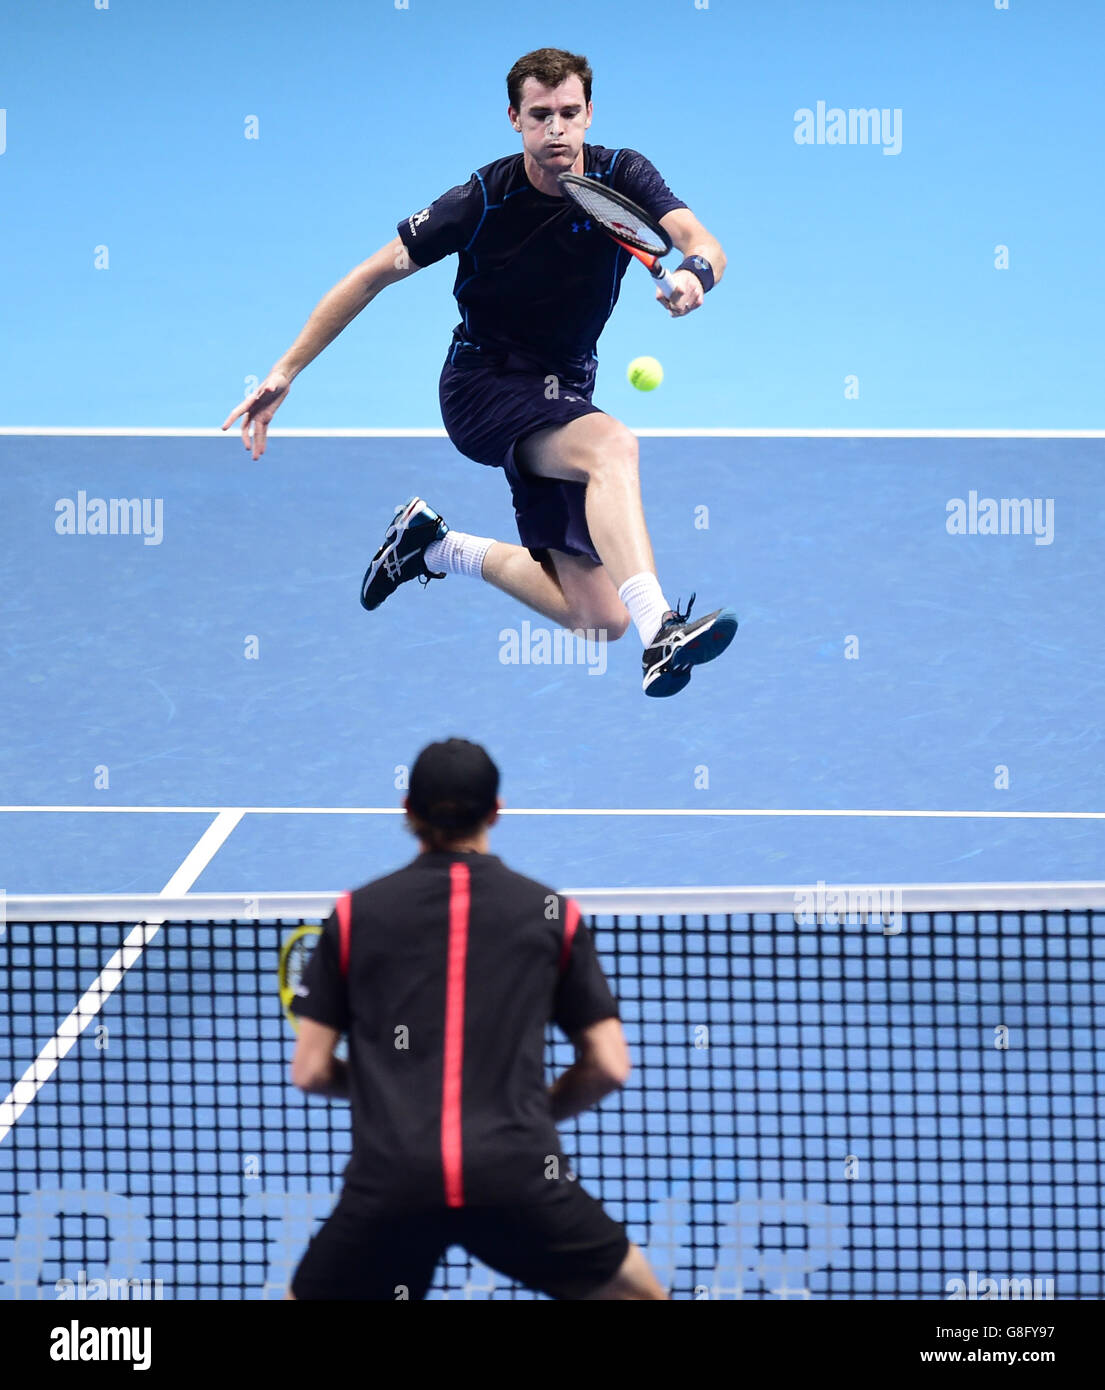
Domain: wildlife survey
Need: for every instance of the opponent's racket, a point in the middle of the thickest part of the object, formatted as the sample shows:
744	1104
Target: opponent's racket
294	955
630	226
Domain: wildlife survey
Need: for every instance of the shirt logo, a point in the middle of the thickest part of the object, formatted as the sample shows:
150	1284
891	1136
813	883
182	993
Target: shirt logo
584	226
416	220
302	991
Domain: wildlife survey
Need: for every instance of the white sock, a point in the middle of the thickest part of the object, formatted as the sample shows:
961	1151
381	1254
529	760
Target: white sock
647	605
458	553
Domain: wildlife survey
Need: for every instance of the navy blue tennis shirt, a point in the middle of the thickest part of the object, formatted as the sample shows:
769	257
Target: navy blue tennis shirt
535	276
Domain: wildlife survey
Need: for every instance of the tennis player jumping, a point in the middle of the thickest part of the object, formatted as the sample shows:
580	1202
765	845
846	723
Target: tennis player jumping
536	282
444	976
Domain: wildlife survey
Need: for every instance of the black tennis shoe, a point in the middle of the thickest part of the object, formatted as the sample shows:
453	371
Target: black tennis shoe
413	528
681	644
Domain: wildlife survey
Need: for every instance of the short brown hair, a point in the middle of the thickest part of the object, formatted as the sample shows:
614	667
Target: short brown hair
438	838
551	67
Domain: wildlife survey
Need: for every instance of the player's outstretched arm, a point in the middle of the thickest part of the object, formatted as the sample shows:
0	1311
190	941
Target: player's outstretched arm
692	238
335	311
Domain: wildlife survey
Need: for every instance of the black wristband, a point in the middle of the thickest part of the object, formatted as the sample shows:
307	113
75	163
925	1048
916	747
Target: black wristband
699	266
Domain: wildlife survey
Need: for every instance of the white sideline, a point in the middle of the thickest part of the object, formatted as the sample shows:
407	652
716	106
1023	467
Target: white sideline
720	432
26	1089
796	812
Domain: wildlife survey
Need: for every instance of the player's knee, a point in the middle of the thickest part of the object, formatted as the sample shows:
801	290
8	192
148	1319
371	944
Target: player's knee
612	451
616	624
634	1281
601	624
641	1282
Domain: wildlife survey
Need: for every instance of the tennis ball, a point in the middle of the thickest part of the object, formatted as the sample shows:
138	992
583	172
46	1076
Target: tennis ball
645	373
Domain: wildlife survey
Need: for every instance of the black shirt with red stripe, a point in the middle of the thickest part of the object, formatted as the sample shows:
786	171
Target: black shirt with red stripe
444	976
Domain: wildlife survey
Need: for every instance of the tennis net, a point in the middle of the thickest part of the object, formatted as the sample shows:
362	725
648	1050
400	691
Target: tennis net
838	1093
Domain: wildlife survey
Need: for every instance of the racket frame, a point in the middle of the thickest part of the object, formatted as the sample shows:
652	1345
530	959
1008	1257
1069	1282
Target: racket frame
286	985
647	256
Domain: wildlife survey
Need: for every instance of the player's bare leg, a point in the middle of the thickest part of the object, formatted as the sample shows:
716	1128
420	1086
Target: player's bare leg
570	590
633	1281
601	453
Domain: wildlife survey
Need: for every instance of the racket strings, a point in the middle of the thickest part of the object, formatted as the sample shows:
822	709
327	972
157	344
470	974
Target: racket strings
297	959
616	218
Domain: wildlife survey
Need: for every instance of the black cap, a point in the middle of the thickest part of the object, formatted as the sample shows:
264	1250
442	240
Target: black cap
454	785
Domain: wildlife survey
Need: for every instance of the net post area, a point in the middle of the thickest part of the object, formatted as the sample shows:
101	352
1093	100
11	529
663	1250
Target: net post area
855	1093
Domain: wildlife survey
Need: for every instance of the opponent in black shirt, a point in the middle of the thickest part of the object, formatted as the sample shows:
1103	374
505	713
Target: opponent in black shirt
535	284
444	975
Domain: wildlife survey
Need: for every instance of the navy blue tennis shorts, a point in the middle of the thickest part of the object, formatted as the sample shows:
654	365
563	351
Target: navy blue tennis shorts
563	1244
489	404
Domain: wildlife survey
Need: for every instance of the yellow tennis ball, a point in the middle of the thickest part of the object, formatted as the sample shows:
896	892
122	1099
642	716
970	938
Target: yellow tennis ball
645	373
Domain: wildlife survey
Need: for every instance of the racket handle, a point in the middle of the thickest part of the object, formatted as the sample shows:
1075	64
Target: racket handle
663	279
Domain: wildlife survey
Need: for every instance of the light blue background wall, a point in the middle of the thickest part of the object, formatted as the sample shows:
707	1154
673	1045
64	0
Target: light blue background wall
125	129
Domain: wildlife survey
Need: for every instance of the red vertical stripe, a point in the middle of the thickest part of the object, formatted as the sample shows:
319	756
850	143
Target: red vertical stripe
571	921
344	906
460	897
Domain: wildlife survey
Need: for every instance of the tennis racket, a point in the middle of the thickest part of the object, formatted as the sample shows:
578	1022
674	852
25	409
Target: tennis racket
630	226
294	955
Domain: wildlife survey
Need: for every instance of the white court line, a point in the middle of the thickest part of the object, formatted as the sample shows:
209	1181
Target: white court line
747	812
721	432
26	1089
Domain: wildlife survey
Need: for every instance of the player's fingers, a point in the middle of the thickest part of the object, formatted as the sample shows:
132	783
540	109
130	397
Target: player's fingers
243	409
260	432
672	305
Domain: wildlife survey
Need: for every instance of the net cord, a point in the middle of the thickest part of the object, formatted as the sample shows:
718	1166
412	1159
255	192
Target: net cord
810	898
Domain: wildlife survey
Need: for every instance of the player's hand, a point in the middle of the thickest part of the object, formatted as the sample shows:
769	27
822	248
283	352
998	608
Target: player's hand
258	409
687	295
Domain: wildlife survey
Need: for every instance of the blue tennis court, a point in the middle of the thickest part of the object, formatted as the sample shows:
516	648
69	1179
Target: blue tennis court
213	713
880	442
883	666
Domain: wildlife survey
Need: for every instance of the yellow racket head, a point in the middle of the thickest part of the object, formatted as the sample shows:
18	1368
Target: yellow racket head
294	955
